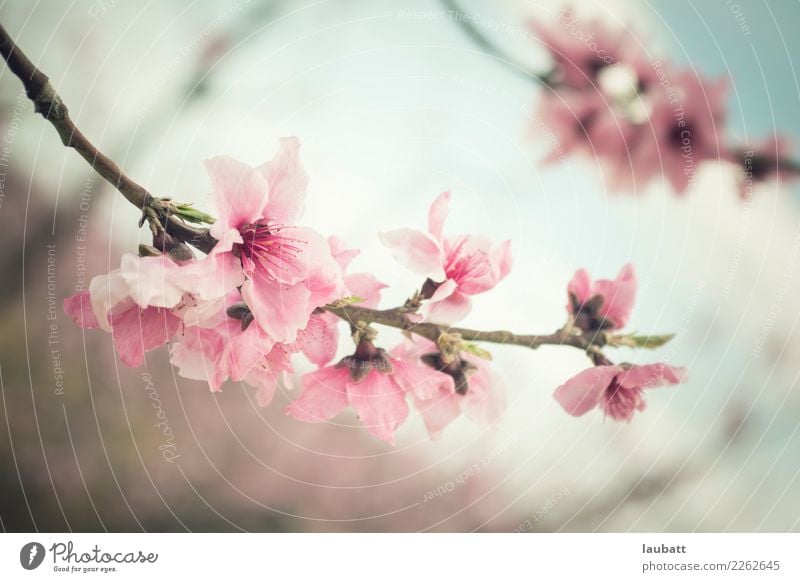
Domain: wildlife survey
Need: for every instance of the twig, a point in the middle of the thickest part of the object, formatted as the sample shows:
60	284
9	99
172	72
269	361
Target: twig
47	102
465	22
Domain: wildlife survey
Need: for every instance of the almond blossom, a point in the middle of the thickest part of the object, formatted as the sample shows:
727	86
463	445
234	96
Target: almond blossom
443	391
456	267
289	269
364	381
617	390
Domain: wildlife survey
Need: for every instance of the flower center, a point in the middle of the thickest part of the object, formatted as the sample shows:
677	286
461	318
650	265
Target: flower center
620	403
464	263
267	245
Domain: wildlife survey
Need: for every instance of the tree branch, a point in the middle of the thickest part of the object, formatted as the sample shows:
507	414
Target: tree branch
47	102
398	319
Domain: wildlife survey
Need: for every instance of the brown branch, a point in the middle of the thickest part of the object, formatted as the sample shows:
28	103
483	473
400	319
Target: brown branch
47	102
397	319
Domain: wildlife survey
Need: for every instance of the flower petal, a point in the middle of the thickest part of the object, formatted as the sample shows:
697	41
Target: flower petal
582	392
280	310
324	395
136	331
438	214
240	194
79	308
320	338
651	376
287	181
415	251
380	404
453	308
619	296
365	286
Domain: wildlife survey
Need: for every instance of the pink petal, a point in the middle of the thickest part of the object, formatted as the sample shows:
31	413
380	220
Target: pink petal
280	310
380	404
412	376
439	411
320	338
79	308
437	215
324	395
365	286
485	401
453	308
244	349
582	392
651	376
287	181
502	260
416	251
341	253
580	287
619	296
240	194
136	331
196	355
267	375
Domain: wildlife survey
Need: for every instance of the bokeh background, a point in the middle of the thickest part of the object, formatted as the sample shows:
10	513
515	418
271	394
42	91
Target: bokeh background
394	103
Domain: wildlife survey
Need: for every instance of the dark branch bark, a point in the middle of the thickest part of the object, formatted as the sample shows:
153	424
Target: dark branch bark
47	102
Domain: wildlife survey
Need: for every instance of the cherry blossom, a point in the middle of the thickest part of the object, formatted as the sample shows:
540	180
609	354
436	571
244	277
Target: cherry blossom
456	267
617	390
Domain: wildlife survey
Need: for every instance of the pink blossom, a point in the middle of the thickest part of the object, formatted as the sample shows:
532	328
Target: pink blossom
319	339
223	347
456	266
617	390
602	304
433	389
365	382
684	129
580	49
289	269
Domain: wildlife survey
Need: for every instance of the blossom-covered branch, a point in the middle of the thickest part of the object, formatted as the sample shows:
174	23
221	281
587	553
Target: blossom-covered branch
641	119
268	289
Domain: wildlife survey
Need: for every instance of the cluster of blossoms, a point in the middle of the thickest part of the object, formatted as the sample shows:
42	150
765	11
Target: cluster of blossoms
641	119
599	307
271	289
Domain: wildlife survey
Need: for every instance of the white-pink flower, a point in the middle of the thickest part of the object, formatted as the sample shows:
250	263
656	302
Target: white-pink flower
455	266
143	303
289	269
